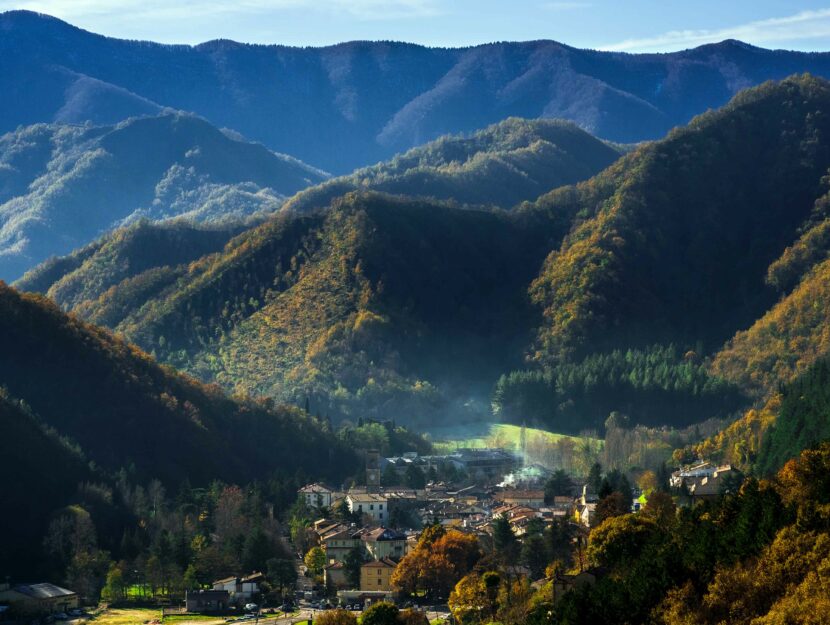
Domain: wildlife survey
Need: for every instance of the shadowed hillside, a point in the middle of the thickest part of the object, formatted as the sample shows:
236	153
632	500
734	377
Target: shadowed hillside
125	410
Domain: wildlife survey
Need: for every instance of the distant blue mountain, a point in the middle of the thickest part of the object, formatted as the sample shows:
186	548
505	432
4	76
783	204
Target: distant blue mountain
353	104
61	186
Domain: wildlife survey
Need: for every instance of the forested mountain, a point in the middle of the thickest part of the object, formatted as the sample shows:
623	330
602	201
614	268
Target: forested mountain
676	239
107	279
78	405
61	186
504	164
353	104
673	244
124	410
370	306
796	331
34	459
366	309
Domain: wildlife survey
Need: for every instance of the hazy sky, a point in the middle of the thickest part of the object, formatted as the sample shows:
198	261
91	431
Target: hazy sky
631	25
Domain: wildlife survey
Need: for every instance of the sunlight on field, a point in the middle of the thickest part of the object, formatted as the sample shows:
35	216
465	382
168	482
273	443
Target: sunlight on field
126	616
140	616
506	436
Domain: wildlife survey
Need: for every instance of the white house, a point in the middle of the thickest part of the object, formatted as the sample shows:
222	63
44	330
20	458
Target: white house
317	495
240	589
372	505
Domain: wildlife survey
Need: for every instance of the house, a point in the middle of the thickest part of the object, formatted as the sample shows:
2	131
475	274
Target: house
240	589
709	486
207	601
317	495
584	513
488	464
338	543
38	599
381	543
377	575
334	576
372	505
530	498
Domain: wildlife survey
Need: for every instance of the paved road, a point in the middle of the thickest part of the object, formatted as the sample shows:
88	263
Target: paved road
310	613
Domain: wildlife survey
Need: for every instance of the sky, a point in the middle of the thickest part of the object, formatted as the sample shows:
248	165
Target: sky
625	25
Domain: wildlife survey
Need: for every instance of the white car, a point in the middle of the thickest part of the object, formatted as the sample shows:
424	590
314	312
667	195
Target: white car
251	607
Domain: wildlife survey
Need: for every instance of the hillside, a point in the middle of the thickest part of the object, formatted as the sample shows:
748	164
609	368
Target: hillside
678	236
795	332
63	186
510	162
354	104
381	306
43	463
124	410
105	280
385	305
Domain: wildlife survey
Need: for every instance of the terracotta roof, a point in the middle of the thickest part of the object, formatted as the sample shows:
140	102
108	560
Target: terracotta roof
382	534
386	563
316	488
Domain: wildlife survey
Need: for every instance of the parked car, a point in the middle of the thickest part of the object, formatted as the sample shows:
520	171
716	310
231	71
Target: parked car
251	607
287	607
61	616
76	612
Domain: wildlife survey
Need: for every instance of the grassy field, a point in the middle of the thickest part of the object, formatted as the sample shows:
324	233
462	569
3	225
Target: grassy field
500	435
126	616
201	619
141	616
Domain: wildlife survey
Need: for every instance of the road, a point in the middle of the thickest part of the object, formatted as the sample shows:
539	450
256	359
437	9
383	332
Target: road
305	614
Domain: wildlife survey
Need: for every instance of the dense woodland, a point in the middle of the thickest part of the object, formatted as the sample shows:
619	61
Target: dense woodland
504	164
90	400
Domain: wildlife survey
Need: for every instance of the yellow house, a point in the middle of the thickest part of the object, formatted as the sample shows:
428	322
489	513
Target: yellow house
377	575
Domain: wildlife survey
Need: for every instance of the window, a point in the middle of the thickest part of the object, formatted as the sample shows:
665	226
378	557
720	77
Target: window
380	507
371	506
380	516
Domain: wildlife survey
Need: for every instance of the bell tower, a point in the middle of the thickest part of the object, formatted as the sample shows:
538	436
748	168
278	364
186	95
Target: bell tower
372	471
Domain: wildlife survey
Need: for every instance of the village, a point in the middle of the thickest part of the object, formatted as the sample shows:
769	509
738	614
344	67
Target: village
353	540
503	489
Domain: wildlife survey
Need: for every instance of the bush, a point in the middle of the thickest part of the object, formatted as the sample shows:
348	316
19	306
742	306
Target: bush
381	614
336	617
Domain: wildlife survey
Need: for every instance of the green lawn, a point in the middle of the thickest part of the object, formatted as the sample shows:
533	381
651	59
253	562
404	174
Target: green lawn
503	435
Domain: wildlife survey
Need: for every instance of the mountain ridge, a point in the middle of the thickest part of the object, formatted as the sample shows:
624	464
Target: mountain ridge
356	103
63	185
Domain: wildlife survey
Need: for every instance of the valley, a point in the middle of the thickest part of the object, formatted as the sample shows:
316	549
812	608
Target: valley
531	335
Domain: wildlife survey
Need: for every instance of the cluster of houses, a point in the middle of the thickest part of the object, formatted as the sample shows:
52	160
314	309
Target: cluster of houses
703	480
382	543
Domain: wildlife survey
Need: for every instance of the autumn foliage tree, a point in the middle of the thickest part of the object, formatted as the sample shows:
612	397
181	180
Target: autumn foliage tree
437	563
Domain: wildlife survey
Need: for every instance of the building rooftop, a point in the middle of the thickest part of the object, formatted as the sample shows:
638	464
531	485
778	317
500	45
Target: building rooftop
385	563
43	591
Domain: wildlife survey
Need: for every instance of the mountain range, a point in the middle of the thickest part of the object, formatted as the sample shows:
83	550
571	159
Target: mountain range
354	104
373	304
61	186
